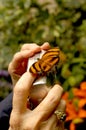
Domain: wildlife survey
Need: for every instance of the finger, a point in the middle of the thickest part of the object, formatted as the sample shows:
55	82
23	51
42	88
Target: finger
19	63
18	58
31	46
48	105
45	46
50	124
21	92
61	107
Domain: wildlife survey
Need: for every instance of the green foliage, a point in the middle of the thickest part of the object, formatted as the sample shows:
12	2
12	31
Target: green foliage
60	22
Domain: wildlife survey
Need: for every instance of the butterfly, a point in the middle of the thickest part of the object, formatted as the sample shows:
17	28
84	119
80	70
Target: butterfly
49	59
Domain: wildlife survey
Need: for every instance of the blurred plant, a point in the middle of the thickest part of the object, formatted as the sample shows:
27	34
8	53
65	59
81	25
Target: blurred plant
76	106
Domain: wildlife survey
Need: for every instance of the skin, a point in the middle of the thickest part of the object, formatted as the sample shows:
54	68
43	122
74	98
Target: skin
46	100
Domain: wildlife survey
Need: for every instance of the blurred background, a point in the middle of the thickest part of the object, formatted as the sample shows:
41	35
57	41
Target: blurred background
60	22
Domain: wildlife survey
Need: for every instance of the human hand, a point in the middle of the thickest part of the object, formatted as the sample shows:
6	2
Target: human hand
40	118
18	65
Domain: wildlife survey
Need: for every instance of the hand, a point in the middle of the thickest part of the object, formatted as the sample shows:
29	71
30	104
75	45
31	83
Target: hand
18	65
40	118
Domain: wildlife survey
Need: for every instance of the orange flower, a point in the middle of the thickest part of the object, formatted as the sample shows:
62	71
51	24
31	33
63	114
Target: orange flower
75	106
82	102
71	111
83	85
79	92
65	96
82	113
72	126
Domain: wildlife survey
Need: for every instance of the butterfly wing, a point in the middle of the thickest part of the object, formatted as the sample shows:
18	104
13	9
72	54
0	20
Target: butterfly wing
35	68
45	64
54	52
48	63
49	59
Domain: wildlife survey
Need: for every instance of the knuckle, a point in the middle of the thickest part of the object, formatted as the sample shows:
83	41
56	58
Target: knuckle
28	46
63	102
18	91
59	87
24	46
16	55
62	105
30	127
9	67
15	120
53	100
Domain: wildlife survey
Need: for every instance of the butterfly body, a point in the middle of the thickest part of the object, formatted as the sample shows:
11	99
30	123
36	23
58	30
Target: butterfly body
49	59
